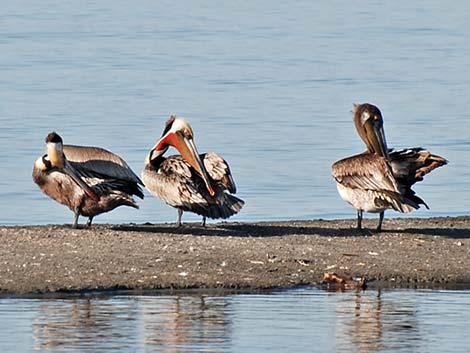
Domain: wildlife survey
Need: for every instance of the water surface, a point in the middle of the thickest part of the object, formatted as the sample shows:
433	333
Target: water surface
303	320
268	86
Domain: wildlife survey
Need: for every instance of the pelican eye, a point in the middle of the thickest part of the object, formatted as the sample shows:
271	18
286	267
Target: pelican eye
365	117
187	134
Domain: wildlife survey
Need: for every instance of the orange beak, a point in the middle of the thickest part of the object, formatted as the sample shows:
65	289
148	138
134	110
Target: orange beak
188	151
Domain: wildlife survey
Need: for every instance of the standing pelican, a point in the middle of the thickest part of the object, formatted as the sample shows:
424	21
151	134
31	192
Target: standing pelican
190	182
88	180
380	178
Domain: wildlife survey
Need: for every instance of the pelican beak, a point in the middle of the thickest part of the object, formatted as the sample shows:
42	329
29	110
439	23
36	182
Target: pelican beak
71	172
376	138
188	151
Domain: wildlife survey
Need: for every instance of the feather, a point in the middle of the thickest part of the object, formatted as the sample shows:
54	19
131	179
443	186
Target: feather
100	161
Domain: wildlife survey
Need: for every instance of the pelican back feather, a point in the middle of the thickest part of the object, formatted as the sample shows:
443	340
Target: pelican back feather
101	161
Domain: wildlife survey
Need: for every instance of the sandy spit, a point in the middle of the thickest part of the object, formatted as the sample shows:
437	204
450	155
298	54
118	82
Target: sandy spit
247	256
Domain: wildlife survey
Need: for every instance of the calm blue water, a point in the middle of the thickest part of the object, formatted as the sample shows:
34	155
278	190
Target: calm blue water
269	86
306	320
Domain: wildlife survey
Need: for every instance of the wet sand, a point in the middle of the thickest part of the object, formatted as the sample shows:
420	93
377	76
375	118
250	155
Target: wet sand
245	256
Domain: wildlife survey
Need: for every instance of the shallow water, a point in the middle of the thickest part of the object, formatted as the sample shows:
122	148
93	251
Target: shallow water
302	320
268	86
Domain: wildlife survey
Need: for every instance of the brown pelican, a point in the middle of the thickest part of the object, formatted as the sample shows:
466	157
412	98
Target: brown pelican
190	182
89	180
380	178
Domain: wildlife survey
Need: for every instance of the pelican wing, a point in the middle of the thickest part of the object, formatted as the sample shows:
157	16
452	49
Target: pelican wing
219	171
372	173
365	171
100	161
412	164
174	183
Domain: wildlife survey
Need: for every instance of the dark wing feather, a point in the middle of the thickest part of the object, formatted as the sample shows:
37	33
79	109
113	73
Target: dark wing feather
100	161
104	184
412	164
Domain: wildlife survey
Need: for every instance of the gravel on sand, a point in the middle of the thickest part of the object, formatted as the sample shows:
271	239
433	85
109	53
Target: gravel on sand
245	256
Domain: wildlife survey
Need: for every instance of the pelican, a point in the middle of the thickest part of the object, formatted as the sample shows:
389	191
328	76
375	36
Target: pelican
88	180
379	178
190	182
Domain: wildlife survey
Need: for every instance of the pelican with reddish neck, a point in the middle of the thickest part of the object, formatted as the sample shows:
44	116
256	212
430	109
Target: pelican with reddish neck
88	180
379	178
199	183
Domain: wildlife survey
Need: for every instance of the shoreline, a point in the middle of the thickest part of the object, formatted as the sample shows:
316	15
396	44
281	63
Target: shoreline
241	257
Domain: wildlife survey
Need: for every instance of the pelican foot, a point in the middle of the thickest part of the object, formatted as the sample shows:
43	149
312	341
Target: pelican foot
88	223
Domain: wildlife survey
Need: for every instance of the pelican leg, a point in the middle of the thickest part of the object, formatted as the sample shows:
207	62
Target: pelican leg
381	218
203	221
75	222
359	219
88	223
178	220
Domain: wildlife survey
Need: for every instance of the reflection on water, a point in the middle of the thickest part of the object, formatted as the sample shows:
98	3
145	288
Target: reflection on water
83	323
296	320
370	323
185	323
171	323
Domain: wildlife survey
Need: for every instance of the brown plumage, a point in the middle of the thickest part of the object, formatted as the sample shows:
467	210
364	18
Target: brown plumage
100	161
190	182
381	178
219	171
373	184
88	180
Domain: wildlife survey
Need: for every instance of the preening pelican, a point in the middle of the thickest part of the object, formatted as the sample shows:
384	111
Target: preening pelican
379	178
190	182
88	180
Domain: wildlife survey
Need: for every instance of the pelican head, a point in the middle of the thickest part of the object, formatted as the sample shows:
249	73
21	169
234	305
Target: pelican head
178	133
369	125
54	148
55	158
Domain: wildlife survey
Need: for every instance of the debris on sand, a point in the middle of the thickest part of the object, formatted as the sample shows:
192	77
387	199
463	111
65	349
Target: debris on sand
336	282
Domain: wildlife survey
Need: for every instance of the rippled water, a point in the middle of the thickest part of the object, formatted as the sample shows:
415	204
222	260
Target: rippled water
270	86
302	320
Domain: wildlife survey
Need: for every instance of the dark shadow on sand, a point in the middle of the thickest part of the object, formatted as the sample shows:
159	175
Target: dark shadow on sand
261	230
441	232
242	230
